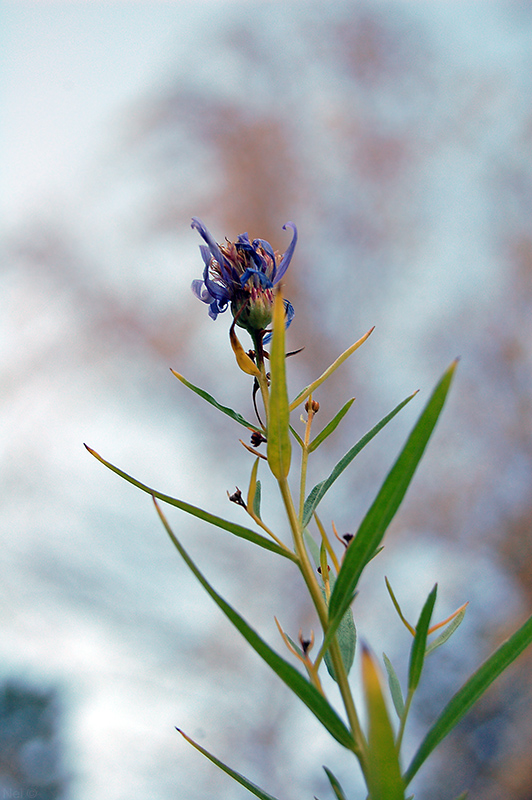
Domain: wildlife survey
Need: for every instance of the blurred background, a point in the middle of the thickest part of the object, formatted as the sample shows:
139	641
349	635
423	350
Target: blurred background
398	137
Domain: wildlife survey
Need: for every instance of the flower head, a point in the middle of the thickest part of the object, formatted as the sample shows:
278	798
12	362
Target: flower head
242	274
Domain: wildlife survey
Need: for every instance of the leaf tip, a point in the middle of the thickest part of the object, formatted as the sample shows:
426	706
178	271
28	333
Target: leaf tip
453	365
92	452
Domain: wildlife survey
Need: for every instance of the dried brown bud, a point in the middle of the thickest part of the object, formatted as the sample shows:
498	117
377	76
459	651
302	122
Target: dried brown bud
306	644
236	497
314	406
257	438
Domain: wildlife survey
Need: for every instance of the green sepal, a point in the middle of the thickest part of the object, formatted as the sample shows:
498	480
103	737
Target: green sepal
295	681
210	399
232	527
333	424
375	523
316	495
236	776
446	633
418	650
395	687
335	783
470	692
279	448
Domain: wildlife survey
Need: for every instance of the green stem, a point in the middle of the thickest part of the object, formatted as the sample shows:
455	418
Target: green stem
263	380
402	723
320	605
305	566
303	481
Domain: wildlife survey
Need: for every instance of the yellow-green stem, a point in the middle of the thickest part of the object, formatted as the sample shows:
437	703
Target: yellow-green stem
304	461
402	724
305	566
320	605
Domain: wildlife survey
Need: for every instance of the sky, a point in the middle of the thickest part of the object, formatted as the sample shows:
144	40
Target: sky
70	75
69	70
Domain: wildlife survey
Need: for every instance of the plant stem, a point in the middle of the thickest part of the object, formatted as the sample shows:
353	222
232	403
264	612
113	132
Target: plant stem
320	605
304	461
263	380
402	723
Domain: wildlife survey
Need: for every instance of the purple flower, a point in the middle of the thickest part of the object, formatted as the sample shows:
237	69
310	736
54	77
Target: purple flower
242	274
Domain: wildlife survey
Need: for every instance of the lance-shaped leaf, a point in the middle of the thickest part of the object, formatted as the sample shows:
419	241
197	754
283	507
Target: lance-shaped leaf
335	783
333	424
252	490
383	774
308	390
232	527
279	447
295	681
374	525
236	776
256	500
470	692
242	359
395	687
418	651
448	631
206	396
346	635
317	493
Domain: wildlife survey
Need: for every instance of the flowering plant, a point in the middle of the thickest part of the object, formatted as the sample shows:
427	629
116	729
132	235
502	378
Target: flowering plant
246	277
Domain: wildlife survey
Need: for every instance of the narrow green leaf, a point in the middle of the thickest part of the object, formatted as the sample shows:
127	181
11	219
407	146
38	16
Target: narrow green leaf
462	796
335	783
470	692
317	493
295	645
252	489
346	635
232	527
333	424
296	436
312	547
301	687
256	500
383	774
279	447
206	396
417	653
347	640
308	390
447	632
398	607
374	525
395	687
236	776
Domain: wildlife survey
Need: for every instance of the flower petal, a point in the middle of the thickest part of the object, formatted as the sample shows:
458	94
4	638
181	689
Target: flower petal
215	251
268	249
285	261
289	316
201	292
265	282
